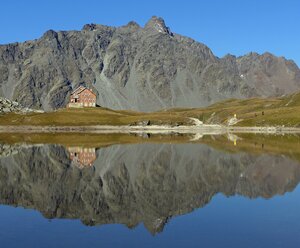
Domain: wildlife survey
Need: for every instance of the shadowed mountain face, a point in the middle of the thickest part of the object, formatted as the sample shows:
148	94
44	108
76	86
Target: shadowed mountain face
130	184
131	67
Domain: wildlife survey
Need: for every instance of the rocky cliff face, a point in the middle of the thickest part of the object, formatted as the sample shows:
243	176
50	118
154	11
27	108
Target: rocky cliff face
138	68
130	184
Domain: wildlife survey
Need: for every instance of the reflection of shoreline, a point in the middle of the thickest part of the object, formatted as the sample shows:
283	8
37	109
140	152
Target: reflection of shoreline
82	157
205	129
288	145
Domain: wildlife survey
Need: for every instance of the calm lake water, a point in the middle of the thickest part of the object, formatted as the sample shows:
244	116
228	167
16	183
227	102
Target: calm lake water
117	191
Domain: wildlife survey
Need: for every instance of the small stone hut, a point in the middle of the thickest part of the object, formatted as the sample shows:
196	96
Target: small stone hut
82	97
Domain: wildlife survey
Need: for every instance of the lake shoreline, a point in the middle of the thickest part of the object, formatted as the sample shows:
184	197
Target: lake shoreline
154	129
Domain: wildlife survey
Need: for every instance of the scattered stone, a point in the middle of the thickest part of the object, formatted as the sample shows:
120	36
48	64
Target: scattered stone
144	123
8	150
7	106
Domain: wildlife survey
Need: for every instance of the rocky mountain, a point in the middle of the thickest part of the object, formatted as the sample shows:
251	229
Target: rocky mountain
7	106
132	67
139	183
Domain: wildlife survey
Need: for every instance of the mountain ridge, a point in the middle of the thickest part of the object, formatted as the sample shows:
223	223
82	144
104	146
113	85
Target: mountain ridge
132	67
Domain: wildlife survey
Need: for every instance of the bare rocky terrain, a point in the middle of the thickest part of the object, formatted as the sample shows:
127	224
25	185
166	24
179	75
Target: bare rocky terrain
7	106
140	183
133	67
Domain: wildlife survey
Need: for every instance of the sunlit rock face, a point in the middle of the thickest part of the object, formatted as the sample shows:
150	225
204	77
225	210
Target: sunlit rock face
133	67
132	184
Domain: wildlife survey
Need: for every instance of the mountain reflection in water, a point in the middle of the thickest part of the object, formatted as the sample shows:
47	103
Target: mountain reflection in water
145	183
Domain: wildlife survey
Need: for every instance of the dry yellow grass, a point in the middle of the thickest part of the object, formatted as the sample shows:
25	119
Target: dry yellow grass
251	112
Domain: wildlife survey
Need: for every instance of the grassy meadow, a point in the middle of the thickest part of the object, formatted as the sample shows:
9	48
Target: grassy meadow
250	112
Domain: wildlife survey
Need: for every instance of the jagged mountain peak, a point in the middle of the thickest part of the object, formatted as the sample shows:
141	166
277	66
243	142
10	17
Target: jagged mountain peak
157	24
133	24
50	34
131	67
94	27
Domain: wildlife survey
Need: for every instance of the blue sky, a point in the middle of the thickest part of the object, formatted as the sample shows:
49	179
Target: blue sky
226	26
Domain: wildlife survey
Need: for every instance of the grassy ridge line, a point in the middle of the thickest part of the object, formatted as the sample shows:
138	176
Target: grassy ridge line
88	116
250	112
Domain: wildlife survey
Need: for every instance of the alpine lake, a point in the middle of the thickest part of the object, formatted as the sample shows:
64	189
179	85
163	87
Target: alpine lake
144	190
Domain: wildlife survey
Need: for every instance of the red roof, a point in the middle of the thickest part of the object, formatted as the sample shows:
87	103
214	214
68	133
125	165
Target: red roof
81	88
